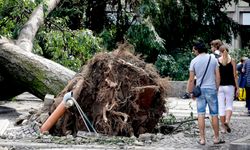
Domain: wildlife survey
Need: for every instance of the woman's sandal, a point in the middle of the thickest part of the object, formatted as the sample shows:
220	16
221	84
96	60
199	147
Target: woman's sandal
219	142
227	127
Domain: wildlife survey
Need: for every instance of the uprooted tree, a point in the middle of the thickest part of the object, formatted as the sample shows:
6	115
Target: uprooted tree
121	94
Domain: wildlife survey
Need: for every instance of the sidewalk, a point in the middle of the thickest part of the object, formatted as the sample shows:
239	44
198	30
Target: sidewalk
238	139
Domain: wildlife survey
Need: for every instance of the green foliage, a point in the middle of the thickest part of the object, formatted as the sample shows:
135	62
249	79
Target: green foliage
13	15
108	37
166	65
169	120
69	48
149	8
73	11
145	40
216	23
238	53
175	67
180	22
154	27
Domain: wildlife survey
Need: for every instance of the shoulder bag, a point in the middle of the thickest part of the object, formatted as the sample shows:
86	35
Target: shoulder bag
197	90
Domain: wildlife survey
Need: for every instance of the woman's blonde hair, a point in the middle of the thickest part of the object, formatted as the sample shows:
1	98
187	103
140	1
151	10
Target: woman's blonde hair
225	55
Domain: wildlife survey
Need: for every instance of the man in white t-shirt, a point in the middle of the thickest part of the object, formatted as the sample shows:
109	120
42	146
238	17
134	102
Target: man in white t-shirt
209	89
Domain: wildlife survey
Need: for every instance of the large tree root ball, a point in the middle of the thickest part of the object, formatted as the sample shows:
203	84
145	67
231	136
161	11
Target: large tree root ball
119	93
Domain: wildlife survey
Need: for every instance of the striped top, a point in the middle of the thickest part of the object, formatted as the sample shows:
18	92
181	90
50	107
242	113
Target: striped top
247	71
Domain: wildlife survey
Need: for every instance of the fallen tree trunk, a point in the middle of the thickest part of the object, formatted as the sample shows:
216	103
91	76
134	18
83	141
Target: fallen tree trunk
29	30
120	94
11	83
26	71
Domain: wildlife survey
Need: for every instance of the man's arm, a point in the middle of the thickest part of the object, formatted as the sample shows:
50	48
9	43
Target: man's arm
190	82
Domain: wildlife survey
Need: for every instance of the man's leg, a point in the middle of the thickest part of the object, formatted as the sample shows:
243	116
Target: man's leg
201	110
201	124
215	124
213	109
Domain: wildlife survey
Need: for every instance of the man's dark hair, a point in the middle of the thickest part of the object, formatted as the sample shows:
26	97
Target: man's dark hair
200	46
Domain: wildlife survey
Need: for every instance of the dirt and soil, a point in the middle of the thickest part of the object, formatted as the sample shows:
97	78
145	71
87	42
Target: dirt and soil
120	94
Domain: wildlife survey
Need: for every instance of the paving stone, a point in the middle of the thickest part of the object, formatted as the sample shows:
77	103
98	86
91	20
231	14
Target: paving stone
3	126
27	97
240	144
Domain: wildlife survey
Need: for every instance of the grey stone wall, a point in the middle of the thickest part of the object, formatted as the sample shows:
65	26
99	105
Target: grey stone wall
177	88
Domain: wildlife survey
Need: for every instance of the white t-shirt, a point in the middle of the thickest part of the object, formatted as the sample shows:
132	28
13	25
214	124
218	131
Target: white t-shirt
199	64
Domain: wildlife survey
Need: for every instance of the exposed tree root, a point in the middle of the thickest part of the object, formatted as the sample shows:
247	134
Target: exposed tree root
120	94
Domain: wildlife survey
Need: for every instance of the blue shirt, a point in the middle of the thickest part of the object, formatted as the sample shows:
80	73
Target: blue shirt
247	72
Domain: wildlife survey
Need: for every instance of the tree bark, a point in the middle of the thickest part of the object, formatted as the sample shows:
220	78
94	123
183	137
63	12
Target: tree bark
36	74
28	32
21	71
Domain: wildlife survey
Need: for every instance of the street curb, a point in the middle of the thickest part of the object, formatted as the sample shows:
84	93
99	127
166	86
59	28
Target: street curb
240	144
44	146
20	144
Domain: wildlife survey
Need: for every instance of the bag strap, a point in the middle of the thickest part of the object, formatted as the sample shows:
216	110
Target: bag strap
205	70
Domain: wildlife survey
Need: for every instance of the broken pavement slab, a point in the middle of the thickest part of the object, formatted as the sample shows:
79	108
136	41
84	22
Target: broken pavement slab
240	144
4	124
22	103
27	97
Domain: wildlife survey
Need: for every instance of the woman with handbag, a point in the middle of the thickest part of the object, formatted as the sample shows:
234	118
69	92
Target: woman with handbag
227	88
206	70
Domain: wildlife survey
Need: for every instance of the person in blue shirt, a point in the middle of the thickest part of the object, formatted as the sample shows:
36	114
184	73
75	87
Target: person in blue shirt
241	78
246	70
